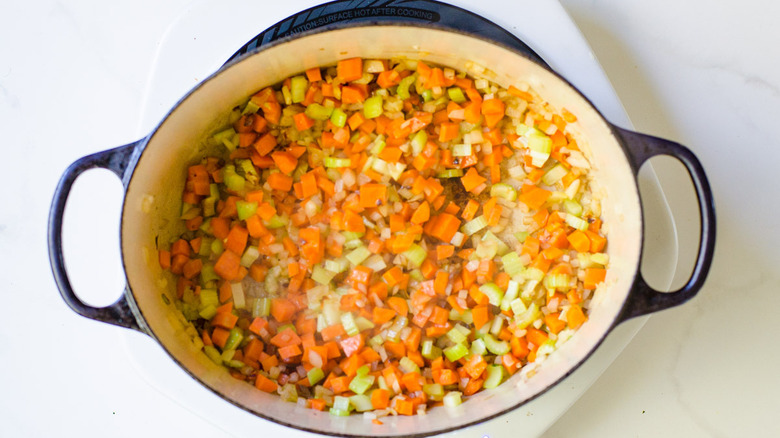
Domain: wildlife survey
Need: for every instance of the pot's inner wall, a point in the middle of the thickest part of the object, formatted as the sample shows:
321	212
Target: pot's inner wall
153	204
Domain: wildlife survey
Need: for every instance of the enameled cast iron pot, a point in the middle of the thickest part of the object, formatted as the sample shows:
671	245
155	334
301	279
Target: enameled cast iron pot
152	171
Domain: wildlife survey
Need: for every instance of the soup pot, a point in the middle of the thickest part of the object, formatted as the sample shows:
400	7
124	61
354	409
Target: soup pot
153	171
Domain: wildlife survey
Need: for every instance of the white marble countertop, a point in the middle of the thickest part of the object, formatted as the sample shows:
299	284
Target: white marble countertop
706	74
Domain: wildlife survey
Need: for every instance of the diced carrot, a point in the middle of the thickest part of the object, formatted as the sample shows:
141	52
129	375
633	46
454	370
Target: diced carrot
480	315
380	398
472	180
579	241
399	305
349	69
265	384
280	181
227	265
593	276
282	309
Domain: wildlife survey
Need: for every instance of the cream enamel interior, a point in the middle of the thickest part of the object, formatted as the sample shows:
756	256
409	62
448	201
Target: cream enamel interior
154	192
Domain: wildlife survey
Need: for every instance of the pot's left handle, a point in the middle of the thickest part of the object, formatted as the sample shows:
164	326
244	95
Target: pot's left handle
115	160
643	298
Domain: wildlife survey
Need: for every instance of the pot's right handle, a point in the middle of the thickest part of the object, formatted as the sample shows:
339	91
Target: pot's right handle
115	160
643	298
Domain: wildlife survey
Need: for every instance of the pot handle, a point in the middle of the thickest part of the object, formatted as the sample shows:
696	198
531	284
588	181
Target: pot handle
643	298
115	160
430	12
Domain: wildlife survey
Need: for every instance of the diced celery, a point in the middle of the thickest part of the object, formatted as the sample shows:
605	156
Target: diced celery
209	297
452	399
434	390
456	352
572	207
208	312
277	222
456	94
376	263
526	318
227	134
286	95
408	366
341	406
534	274
575	222
338	265
261	307
318	112
338	117
556	282
227	355
456	336
430	351
493	292
518	306
495	346
372	107
376	341
337	162
348	321
239	298
234	338
321	275
363	323
207	273
512	291
505	191
486	250
540	146
360	384
461	150
315	375
232	180
358	255
403	87
521	236
522	129
213	354
599	257
361	402
478	347
496	325
251	254
495	375
554	175
419	141
450	173
298	85
502	248
416	255
217	247
474	225
427	95
338	412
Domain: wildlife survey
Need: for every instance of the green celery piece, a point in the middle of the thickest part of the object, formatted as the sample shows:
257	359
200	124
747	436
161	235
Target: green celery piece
456	94
456	352
360	384
338	117
372	107
315	375
403	87
298	85
318	112
234	338
246	209
493	292
495	375
495	346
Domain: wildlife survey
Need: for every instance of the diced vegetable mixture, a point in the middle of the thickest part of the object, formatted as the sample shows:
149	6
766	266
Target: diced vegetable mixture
387	236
